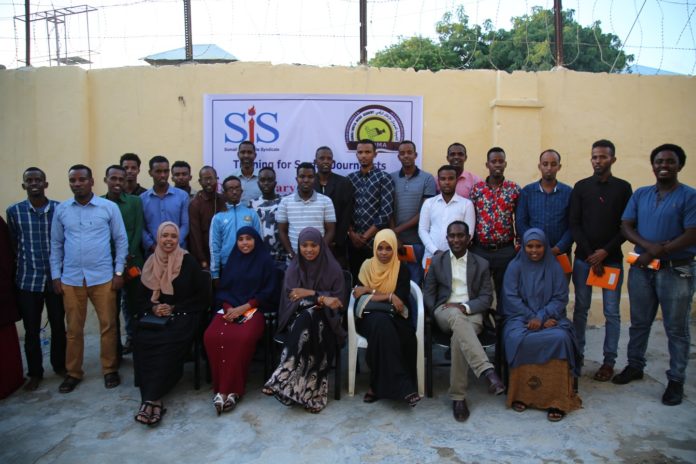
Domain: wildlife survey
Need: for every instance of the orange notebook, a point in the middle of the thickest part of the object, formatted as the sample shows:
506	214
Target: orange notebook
608	280
409	255
564	261
633	257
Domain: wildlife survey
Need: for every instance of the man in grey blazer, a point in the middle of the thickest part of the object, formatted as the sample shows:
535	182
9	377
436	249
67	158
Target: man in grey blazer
457	292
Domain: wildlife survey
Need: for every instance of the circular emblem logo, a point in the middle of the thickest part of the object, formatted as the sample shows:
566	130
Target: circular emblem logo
377	123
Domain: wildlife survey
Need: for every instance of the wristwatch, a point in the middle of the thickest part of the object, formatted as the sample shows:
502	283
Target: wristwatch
118	273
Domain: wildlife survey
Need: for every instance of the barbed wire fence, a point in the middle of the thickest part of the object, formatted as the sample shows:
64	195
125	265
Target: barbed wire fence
659	34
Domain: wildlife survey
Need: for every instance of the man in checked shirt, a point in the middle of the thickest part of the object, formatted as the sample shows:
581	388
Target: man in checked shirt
374	205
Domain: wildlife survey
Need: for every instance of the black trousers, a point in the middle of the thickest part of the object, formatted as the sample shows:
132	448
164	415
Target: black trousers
498	261
31	306
356	256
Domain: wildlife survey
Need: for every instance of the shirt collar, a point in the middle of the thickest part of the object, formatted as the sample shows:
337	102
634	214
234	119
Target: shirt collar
541	189
91	201
44	209
312	198
415	173
457	261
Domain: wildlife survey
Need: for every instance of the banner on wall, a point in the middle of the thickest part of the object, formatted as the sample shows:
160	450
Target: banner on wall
287	130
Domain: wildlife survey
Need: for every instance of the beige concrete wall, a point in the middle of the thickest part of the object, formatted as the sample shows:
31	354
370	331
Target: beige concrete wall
55	117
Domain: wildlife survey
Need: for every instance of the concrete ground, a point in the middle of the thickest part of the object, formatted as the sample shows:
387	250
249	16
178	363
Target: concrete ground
93	425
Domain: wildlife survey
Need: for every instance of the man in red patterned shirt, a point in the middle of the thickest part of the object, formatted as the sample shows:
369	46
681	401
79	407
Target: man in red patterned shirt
495	201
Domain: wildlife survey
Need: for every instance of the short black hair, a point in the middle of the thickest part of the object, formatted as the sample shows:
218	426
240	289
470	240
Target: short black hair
323	147
456	144
181	164
34	169
364	141
130	157
229	178
157	159
304	165
247	142
113	166
403	142
267	168
550	150
604	143
676	149
446	167
459	223
206	167
80	167
494	150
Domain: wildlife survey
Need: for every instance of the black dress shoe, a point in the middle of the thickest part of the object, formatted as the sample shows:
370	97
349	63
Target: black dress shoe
460	410
112	380
32	384
69	384
127	347
495	385
673	394
629	374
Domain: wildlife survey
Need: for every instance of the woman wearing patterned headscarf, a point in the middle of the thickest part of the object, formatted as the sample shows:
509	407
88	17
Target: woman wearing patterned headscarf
391	349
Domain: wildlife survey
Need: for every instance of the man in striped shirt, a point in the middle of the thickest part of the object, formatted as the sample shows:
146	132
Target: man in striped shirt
305	208
30	231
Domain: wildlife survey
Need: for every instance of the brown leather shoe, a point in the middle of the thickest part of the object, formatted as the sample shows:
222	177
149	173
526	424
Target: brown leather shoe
604	373
32	384
69	384
460	410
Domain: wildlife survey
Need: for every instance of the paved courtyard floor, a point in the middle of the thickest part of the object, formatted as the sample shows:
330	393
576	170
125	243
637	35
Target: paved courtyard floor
93	425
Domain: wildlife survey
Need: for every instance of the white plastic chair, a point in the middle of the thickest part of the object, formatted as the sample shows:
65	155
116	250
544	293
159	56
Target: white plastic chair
355	341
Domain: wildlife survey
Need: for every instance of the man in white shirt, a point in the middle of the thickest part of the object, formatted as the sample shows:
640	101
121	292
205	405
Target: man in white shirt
441	210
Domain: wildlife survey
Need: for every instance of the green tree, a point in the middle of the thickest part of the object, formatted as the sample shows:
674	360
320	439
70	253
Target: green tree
529	45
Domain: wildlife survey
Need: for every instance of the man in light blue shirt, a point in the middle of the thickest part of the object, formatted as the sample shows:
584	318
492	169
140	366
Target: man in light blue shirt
246	152
224	227
163	203
82	266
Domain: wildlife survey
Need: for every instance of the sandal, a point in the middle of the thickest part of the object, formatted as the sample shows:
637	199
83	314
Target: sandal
143	416
158	410
369	397
554	415
230	402
604	374
519	406
313	410
267	391
412	399
218	402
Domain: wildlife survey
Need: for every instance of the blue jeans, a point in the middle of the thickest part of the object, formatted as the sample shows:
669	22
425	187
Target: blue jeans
611	300
672	289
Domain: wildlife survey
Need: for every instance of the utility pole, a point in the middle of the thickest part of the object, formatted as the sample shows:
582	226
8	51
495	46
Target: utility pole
187	30
363	32
27	34
558	21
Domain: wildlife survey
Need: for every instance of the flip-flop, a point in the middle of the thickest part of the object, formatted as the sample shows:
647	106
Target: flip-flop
519	406
158	410
412	399
369	397
555	415
143	417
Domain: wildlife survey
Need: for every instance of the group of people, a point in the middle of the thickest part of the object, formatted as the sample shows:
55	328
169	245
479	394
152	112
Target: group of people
167	254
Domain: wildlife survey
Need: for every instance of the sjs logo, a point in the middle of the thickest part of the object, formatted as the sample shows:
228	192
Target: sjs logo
249	126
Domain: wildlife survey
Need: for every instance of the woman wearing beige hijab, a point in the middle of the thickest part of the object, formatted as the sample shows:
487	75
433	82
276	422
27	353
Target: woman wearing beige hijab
171	297
382	295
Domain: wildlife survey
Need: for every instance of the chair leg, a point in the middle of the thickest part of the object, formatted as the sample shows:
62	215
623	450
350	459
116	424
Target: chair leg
352	366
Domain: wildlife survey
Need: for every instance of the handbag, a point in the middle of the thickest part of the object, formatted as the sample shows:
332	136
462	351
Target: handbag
365	305
150	321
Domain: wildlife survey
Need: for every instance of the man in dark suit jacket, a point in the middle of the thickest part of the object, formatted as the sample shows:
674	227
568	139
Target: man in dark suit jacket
457	292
